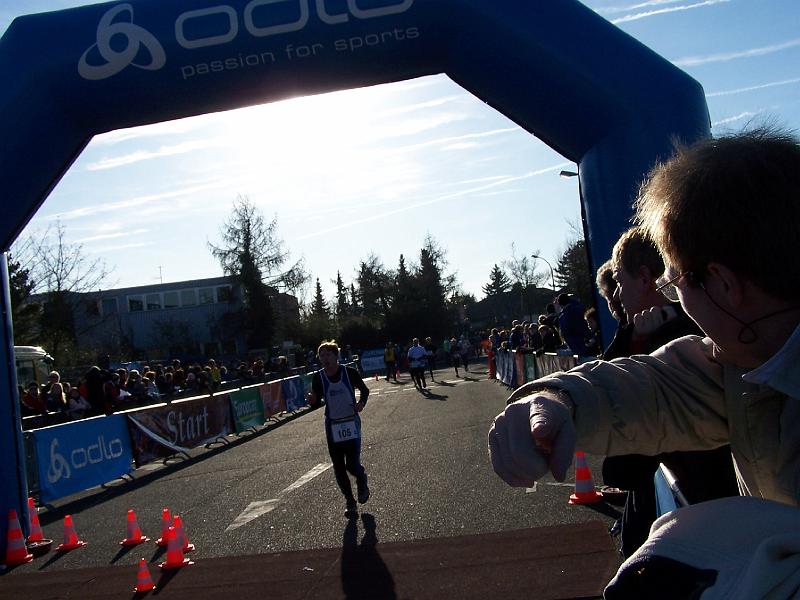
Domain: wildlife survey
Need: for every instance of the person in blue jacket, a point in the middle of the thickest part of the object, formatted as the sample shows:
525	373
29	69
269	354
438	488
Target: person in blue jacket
573	327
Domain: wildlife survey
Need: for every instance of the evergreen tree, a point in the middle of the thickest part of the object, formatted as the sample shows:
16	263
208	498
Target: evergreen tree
499	282
342	308
374	286
572	272
255	256
433	288
319	308
24	312
355	306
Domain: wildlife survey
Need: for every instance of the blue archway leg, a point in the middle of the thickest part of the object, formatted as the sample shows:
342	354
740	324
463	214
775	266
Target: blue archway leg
14	488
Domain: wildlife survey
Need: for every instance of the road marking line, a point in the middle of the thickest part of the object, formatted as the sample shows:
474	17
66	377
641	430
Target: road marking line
530	490
262	507
318	470
253	511
392	392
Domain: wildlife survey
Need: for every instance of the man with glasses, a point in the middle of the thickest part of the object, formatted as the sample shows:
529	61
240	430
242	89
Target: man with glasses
724	215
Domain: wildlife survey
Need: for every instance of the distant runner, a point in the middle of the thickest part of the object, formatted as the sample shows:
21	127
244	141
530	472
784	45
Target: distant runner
336	385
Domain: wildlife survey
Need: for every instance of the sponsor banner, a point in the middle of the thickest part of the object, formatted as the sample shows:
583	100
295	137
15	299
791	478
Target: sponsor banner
372	361
247	408
75	456
530	368
307	379
272	398
549	363
505	367
293	396
519	368
160	432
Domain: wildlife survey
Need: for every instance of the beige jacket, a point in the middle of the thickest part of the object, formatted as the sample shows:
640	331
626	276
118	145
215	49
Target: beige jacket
682	398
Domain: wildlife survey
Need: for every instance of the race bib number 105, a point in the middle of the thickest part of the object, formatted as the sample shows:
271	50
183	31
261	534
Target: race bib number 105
344	431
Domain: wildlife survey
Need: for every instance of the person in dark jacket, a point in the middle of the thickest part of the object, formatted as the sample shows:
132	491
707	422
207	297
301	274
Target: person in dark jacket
572	325
702	475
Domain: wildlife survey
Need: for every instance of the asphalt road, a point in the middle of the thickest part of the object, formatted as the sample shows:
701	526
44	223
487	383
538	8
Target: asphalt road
428	468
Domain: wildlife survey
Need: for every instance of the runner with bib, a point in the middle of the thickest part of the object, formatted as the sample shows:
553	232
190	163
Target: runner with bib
336	384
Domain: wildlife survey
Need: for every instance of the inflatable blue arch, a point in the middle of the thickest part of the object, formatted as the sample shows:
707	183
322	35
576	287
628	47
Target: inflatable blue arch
585	88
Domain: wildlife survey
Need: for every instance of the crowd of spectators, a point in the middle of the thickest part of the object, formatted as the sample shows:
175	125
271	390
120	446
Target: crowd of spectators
107	390
563	326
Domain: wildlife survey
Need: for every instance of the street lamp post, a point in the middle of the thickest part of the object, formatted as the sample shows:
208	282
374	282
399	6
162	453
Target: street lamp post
552	276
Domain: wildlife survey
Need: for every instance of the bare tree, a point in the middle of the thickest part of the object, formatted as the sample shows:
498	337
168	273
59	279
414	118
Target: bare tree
67	284
523	275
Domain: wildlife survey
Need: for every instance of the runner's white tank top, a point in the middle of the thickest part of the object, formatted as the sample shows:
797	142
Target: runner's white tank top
340	399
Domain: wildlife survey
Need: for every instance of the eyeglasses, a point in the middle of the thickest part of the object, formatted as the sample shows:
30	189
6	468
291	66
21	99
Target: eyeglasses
668	287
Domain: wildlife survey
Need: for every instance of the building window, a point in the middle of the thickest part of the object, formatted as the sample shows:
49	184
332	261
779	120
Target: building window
188	298
135	304
109	306
206	295
224	293
172	300
153	301
92	308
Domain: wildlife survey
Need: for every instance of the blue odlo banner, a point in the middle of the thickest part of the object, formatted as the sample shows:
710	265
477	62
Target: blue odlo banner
76	456
293	394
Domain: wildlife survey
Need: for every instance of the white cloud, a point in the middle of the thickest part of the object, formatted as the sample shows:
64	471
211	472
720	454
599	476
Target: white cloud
111	236
140	155
754	88
457	139
108	249
462	146
94	209
662	11
691	61
437	199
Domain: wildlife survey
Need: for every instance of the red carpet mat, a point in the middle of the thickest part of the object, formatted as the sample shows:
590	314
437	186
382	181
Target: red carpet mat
566	561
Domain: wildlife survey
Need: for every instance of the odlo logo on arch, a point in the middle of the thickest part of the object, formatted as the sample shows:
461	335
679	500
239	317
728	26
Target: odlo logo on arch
142	50
102	61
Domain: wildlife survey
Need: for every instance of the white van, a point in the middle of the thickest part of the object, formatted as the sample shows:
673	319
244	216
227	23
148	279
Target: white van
33	364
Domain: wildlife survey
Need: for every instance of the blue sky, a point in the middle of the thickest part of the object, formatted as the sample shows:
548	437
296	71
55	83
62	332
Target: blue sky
398	162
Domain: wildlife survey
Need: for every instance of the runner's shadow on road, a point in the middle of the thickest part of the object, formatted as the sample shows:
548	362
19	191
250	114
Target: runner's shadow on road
364	574
431	396
445	384
605	508
471	378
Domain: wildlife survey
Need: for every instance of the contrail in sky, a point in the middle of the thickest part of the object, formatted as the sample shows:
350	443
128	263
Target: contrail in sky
662	11
753	88
691	61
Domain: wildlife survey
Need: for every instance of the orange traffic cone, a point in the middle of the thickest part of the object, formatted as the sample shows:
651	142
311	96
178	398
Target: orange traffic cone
144	583
133	535
181	533
584	486
16	552
166	523
71	541
175	559
36	534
